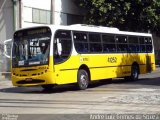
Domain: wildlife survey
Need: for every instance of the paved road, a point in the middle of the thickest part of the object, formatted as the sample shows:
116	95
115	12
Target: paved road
116	96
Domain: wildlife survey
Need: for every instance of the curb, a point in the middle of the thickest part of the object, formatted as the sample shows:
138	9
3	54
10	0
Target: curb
2	77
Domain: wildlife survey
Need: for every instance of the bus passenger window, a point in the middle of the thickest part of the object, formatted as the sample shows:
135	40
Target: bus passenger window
122	44
142	48
149	48
81	47
133	44
108	43
148	45
95	42
80	42
109	48
142	44
95	47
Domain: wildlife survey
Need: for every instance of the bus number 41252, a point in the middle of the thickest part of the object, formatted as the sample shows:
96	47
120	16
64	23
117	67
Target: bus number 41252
112	59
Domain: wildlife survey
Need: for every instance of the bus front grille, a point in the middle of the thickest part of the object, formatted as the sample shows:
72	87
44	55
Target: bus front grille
33	81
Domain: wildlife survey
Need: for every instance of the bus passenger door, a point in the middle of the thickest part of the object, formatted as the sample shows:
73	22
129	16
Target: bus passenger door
62	52
57	57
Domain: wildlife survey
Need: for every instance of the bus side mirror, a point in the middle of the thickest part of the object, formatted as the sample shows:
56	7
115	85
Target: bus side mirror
59	47
7	48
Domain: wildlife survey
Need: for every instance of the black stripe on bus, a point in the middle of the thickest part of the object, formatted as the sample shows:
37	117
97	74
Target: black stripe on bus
99	67
113	66
69	69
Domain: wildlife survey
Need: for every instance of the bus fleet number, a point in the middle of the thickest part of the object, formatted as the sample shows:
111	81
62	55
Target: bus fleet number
112	59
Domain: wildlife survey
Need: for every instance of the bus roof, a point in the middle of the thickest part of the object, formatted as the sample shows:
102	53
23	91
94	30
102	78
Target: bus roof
91	28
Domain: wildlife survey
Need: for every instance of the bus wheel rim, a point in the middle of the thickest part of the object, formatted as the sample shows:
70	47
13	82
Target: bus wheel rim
83	79
135	72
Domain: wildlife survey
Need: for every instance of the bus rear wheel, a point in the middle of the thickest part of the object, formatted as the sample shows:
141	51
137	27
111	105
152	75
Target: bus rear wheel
82	79
134	73
47	87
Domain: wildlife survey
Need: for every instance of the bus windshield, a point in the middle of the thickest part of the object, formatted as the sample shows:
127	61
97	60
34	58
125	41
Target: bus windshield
31	47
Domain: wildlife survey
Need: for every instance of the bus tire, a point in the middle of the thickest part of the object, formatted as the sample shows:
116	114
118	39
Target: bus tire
47	87
82	79
134	73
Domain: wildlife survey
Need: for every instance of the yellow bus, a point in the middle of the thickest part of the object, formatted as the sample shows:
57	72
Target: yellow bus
55	55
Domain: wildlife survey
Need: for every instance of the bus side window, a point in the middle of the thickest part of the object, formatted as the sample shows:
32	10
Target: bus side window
80	42
108	41
148	45
122	44
142	45
95	42
133	44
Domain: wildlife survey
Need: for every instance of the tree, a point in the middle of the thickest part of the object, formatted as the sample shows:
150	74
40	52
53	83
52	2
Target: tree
131	15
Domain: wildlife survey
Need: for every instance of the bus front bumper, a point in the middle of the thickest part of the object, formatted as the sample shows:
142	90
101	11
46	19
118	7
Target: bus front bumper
36	80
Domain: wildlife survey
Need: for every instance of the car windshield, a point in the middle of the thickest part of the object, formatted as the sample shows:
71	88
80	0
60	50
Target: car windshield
31	47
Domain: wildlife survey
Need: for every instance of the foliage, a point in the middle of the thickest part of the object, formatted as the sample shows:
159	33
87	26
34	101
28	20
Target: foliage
132	15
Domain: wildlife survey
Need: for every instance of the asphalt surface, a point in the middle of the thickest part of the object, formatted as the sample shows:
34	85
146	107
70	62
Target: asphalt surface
106	97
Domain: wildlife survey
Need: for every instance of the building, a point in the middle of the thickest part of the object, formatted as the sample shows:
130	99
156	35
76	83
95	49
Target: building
15	14
6	30
35	12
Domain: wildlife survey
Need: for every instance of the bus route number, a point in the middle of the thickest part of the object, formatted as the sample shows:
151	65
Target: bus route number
112	59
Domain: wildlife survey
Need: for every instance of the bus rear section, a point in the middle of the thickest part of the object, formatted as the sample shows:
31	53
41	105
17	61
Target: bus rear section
30	57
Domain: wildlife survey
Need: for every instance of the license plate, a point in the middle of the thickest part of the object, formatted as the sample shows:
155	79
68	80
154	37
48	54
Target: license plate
28	79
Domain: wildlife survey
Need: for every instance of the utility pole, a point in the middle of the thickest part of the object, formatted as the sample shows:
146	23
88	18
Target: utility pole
52	11
17	14
14	15
20	14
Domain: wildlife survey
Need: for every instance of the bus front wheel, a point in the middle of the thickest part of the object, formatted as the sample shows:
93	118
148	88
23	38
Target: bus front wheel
83	79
